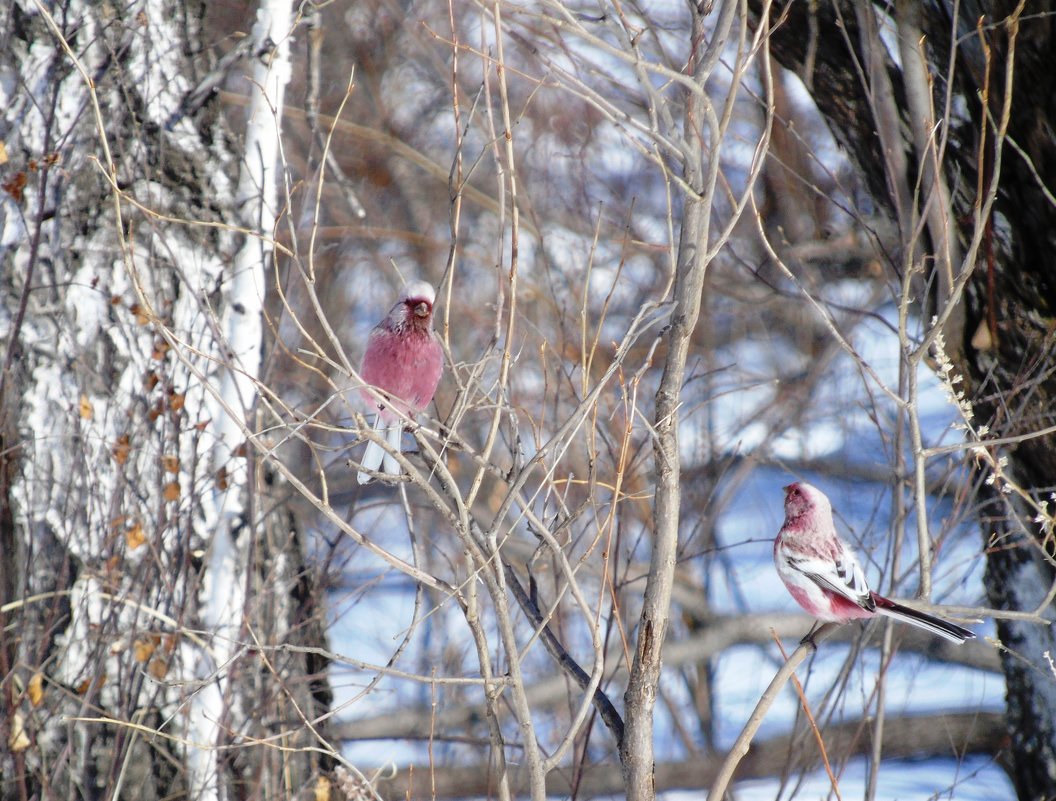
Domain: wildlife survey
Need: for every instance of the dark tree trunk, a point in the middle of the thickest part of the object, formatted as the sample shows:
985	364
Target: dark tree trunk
1005	350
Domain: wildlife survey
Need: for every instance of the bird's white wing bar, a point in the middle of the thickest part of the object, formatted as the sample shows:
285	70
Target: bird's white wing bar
842	577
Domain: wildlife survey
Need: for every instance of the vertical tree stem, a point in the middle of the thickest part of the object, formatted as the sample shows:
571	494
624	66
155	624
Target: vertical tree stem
703	128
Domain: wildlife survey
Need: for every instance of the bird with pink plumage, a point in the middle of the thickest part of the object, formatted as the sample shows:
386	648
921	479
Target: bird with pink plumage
401	367
822	573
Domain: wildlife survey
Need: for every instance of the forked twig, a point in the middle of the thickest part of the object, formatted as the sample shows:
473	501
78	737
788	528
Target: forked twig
804	704
766	700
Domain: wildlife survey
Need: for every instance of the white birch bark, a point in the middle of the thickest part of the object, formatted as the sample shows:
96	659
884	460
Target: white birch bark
241	324
110	421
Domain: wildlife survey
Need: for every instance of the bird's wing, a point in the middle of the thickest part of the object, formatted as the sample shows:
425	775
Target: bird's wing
841	575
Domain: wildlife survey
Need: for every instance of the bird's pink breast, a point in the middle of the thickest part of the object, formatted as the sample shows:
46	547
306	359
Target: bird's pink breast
405	365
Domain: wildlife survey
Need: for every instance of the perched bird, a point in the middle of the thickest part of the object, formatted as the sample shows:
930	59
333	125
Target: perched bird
823	575
402	362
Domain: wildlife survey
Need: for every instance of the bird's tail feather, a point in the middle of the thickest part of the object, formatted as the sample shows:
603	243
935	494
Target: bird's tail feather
373	455
393	435
936	625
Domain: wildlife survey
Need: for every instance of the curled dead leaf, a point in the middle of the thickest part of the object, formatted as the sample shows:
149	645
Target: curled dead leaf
93	683
15	186
143	649
142	315
982	339
158	668
121	449
135	536
17	740
35	689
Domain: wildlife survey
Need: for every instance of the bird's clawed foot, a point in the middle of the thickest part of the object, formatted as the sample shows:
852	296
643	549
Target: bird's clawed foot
808	638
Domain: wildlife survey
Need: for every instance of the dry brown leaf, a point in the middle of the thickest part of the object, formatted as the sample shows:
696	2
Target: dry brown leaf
143	649
35	689
142	316
121	449
134	536
170	463
15	186
86	408
17	740
91	684
171	491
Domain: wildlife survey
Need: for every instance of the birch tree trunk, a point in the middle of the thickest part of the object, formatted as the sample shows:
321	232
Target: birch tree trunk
117	192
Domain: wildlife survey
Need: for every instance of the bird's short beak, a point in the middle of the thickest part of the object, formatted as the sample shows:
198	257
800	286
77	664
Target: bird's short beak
421	310
786	488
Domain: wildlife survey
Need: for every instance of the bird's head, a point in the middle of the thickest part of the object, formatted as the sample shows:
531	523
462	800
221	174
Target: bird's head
415	306
801	498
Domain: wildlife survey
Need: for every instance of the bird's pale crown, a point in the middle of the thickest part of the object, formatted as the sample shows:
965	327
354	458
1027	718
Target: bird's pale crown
418	290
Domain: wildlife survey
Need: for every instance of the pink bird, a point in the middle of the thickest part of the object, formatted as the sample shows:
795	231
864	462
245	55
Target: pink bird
402	363
823	575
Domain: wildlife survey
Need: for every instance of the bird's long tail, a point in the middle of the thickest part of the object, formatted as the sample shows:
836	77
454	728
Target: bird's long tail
393	435
936	625
375	455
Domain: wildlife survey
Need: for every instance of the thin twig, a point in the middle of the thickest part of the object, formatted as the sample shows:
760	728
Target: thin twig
804	704
766	700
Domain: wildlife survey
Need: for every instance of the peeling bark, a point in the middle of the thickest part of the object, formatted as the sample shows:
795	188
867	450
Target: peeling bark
104	427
